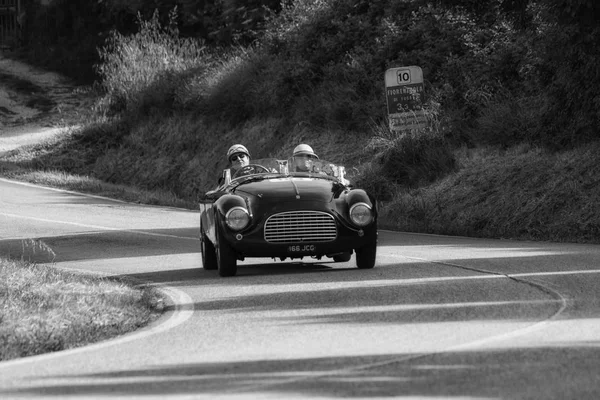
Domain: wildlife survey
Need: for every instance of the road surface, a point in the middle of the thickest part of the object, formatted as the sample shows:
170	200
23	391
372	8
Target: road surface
438	317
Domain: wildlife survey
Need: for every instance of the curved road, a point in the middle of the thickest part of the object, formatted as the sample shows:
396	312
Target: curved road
438	317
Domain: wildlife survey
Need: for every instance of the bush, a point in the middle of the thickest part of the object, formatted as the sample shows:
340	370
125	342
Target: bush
414	158
371	179
507	121
417	159
131	65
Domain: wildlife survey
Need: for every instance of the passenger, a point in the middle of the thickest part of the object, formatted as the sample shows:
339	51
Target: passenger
303	158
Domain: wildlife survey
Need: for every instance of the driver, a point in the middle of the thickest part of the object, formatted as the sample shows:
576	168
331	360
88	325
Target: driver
303	158
238	156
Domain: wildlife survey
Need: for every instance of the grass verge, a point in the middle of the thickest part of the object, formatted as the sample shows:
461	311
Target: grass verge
85	184
523	193
45	309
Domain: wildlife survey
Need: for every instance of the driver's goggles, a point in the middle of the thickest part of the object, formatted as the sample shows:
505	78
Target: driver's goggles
236	157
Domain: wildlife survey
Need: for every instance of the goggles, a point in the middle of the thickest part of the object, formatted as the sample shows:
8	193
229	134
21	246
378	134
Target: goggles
236	157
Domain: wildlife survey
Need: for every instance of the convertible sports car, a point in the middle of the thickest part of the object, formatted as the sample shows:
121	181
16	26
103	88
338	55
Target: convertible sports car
266	210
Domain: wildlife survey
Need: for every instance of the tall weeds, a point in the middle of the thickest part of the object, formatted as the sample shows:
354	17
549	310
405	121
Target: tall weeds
130	65
45	309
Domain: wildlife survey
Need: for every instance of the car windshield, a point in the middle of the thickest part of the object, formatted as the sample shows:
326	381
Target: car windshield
272	167
315	168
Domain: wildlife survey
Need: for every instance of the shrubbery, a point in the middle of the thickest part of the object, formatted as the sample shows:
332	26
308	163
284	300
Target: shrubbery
141	71
500	73
321	62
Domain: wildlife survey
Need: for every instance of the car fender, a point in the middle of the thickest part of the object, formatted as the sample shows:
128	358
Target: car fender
358	195
226	203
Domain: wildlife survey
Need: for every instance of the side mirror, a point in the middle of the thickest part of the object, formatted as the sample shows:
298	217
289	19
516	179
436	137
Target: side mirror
283	167
204	196
342	177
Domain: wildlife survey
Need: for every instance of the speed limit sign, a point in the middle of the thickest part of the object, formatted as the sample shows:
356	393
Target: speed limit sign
405	96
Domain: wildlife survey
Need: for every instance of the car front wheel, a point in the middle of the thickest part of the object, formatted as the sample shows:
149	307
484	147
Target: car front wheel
209	257
226	259
365	256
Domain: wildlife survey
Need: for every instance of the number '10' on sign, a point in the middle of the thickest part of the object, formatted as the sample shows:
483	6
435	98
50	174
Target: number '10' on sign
403	76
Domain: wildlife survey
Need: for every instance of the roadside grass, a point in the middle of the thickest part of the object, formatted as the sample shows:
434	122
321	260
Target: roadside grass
45	309
523	193
59	163
19	84
89	185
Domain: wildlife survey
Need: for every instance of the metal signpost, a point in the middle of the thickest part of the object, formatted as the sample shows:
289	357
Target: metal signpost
405	95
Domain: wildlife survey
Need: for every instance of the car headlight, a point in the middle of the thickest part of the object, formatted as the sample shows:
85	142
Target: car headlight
237	218
361	214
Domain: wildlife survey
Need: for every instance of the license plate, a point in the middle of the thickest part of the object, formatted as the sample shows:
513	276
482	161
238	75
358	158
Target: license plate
302	248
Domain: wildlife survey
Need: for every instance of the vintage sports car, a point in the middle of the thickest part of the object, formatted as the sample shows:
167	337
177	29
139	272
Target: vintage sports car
267	210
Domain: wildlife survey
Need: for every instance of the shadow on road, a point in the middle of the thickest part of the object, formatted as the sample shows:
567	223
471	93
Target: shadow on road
102	244
469	374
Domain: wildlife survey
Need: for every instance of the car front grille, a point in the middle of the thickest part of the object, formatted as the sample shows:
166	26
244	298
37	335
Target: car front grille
300	226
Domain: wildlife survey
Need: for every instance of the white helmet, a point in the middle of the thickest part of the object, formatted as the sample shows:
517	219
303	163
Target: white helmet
304	150
235	149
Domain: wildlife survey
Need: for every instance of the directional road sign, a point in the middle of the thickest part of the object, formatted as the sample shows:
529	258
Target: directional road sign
405	96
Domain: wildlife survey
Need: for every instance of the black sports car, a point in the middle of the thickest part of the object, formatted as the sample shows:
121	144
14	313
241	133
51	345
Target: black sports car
266	210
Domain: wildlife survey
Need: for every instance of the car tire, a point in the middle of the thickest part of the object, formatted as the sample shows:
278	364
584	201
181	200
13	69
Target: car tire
209	256
365	256
344	257
226	259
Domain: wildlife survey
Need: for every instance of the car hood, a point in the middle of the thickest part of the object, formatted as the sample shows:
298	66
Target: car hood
284	189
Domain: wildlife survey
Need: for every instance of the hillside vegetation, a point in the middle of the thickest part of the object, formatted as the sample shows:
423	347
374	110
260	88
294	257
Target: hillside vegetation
512	96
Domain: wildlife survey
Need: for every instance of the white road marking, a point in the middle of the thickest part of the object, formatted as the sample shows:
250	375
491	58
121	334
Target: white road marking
559	299
33	185
556	273
419	307
93	196
184	308
100	227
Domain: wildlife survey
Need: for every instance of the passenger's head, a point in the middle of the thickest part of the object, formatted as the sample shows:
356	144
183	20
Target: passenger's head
238	156
303	158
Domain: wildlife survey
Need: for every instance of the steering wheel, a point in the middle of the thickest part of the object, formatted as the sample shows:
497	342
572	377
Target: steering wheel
250	169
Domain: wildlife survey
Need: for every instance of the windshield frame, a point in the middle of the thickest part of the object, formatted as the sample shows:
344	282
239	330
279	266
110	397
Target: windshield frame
321	169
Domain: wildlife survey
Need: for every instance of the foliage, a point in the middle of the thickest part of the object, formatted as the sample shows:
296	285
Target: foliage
136	69
321	61
526	193
413	159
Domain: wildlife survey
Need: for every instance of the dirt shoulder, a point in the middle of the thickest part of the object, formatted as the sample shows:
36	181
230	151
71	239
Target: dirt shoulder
35	104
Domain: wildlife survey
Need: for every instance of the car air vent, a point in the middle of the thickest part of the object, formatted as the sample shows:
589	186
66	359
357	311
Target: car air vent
300	226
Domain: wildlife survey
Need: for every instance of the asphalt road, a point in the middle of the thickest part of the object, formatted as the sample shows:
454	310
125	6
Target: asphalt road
438	317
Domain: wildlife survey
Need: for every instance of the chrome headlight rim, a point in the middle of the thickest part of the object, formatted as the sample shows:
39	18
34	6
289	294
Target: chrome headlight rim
230	218
360	222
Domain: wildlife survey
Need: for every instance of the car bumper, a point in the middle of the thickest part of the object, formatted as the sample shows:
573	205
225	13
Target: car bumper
253	244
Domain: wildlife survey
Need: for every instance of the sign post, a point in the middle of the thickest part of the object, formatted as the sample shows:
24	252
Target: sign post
405	96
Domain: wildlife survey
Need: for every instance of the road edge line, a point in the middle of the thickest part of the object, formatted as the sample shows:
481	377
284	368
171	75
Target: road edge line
184	308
